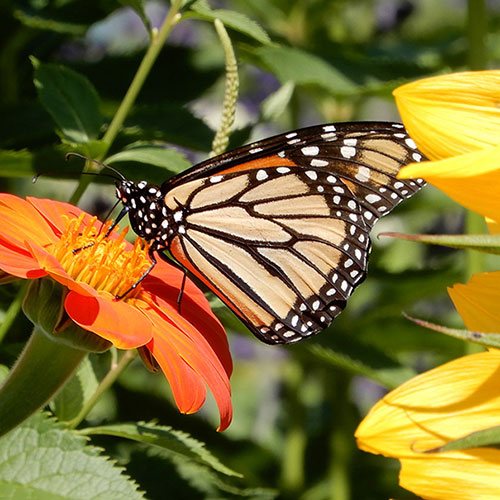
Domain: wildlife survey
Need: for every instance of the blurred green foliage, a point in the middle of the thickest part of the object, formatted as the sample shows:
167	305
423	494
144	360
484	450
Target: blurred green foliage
65	66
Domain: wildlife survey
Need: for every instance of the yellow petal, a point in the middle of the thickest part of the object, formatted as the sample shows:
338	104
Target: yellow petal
435	407
467	476
472	179
478	302
452	114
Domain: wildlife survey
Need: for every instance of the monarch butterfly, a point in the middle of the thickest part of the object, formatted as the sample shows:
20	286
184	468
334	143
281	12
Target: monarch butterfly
279	229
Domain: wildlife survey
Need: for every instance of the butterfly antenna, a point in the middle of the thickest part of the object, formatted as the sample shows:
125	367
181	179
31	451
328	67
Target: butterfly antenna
100	163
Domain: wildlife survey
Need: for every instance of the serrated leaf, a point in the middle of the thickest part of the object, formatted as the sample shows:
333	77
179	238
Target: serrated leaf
152	154
70	99
139	7
275	104
40	460
488	243
370	363
231	19
164	437
485	437
294	65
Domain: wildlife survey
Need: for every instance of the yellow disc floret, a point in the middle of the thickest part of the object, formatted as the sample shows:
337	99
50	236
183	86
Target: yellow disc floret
101	262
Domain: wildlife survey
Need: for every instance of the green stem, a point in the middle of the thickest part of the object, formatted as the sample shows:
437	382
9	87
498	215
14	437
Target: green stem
13	310
157	42
477	28
41	370
477	59
341	441
106	382
292	466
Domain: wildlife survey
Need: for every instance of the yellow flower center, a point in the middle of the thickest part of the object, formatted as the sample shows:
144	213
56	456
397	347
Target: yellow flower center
103	263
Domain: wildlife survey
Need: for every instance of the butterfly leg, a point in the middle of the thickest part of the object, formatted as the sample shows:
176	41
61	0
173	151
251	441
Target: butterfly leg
184	277
150	268
181	291
120	216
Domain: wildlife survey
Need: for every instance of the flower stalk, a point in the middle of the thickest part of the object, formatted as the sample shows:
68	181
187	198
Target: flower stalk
41	370
157	41
221	139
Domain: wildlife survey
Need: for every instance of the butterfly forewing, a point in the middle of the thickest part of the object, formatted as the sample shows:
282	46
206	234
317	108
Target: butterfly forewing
279	229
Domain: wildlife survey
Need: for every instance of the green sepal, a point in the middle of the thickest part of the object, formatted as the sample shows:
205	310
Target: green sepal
481	338
488	243
44	306
484	438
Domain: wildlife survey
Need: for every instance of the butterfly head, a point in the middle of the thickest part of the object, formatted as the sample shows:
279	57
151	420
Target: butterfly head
144	203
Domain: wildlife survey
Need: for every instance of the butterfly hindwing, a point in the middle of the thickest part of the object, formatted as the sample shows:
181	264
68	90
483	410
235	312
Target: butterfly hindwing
276	247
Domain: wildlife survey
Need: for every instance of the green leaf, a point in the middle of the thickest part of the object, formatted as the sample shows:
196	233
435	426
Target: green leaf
81	386
40	460
70	99
370	363
25	163
40	22
485	437
294	65
488	243
152	154
234	20
139	7
165	437
275	104
484	339
16	164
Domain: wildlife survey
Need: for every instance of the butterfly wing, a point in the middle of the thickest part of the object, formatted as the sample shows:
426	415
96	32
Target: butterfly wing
279	229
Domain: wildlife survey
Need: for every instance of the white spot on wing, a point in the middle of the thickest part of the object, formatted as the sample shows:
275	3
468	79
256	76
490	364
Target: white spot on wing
348	151
315	162
310	150
411	143
363	174
261	175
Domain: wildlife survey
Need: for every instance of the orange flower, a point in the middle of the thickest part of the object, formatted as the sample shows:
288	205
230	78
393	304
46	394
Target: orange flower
37	239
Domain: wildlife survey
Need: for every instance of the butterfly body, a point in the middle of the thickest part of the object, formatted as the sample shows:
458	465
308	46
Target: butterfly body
279	229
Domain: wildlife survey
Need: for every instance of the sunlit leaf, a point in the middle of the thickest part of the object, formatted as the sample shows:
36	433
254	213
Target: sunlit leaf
235	20
43	461
302	68
165	437
152	154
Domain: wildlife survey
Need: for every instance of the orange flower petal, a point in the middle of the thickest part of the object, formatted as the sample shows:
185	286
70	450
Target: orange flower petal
449	115
179	348
21	222
478	302
472	179
114	320
493	226
54	212
19	263
194	307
